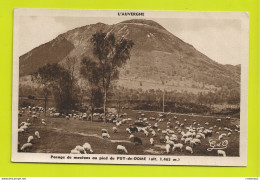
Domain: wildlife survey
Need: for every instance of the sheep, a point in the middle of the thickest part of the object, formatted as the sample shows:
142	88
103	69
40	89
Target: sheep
87	148
221	136
67	117
170	131
189	149
26	146
22	124
229	134
198	136
24	128
121	149
183	140
30	139
153	133
221	153
118	123
151	141
202	135
196	141
37	134
171	143
115	130
27	124
80	149
131	136
164	132
188	140
104	131
105	135
21	131
74	151
218	120
28	120
137	140
146	133
128	130
167	148
177	146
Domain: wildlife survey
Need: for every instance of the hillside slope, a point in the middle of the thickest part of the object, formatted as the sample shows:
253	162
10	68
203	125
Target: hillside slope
158	59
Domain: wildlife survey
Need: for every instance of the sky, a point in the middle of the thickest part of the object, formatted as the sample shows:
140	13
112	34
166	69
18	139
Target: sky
219	39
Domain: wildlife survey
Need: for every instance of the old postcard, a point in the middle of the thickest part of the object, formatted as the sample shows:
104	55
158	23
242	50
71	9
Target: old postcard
130	87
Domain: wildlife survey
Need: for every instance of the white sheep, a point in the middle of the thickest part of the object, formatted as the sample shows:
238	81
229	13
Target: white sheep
115	130
24	128
221	136
21	131
218	120
128	130
153	133
195	142
104	131
67	117
30	139
121	149
105	135
189	149
167	148
88	148
177	146
146	133
202	135
188	140
198	136
171	143
152	141
131	136
74	151
221	153
80	149
37	134
26	146
44	123
22	124
118	123
164	132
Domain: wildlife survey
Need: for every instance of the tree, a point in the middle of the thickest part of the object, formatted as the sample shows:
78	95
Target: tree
43	80
70	65
57	79
91	71
111	54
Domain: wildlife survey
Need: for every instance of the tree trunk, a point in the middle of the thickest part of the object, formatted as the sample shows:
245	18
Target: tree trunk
163	99
45	105
118	108
92	110
105	102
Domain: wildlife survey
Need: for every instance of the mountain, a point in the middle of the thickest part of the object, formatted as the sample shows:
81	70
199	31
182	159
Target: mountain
159	59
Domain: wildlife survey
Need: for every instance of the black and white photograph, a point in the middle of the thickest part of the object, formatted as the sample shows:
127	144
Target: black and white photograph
130	87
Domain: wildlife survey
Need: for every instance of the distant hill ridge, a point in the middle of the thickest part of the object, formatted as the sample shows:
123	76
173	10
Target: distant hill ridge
158	57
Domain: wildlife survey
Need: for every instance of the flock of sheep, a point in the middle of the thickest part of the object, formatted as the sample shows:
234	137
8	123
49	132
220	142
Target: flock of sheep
176	136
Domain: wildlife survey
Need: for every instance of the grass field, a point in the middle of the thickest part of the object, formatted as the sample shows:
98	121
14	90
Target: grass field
61	135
